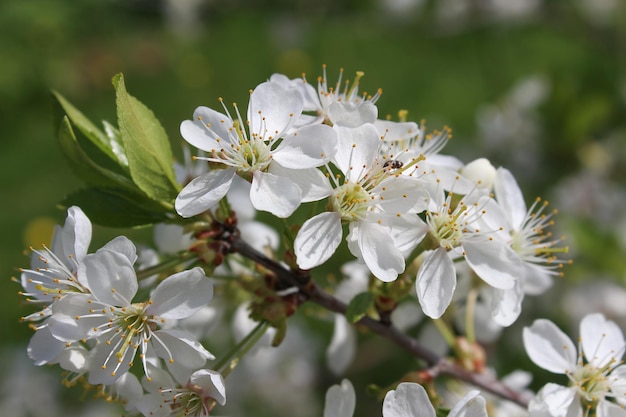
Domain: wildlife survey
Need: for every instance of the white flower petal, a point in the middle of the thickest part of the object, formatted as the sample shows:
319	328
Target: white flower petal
73	239
535	279
555	401
602	340
471	405
105	367
376	247
208	131
408	231
494	262
317	240
510	198
110	276
408	400
549	347
204	192
506	305
308	147
44	348
181	295
340	400
74	359
607	409
273	109
356	148
435	283
396	131
342	347
400	194
308	92
211	383
275	194
313	183
180	351
63	323
352	115
124	246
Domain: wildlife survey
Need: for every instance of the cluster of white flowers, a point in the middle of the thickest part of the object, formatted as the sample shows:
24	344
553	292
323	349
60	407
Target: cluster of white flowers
459	236
92	327
386	180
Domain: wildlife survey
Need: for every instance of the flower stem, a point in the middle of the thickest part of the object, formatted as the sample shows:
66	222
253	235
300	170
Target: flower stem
445	332
226	365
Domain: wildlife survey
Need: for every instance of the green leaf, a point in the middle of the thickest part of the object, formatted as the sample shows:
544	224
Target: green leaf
105	143
146	144
114	207
84	166
358	306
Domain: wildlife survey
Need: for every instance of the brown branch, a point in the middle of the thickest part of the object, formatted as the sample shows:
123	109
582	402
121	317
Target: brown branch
439	365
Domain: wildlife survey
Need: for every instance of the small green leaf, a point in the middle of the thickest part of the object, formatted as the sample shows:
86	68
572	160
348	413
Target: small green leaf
146	144
100	139
85	167
115	208
358	306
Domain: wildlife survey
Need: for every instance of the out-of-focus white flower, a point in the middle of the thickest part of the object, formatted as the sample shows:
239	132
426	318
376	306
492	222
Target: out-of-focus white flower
340	400
25	390
597	295
279	161
410	400
596	374
480	172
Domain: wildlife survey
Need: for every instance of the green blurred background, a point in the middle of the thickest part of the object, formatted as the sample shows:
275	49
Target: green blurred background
535	86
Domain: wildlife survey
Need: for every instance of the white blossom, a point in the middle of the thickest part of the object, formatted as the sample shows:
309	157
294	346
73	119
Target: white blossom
279	161
373	200
122	327
596	374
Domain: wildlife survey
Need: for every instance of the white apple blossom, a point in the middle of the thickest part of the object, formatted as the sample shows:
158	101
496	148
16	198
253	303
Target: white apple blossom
343	105
596	374
340	105
52	272
420	152
121	327
455	231
340	400
525	230
373	199
279	161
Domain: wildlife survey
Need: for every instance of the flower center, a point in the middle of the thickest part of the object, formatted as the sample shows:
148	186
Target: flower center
446	228
591	383
350	201
132	323
253	155
187	401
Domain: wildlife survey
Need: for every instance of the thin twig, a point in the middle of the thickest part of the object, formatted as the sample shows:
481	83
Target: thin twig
312	292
